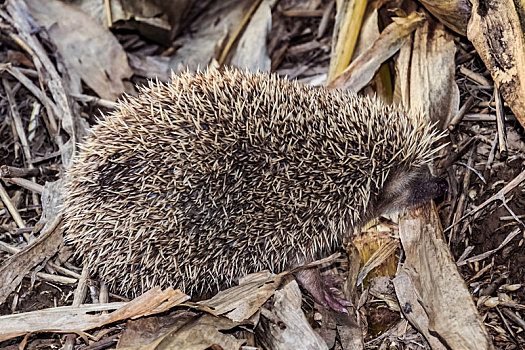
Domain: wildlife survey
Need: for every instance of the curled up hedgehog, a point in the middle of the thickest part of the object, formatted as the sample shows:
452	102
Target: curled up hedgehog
218	174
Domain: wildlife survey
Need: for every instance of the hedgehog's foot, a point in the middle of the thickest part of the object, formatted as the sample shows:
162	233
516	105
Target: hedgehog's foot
322	289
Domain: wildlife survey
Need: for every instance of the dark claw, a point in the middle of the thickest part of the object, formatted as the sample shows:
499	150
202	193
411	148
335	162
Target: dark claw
336	303
324	290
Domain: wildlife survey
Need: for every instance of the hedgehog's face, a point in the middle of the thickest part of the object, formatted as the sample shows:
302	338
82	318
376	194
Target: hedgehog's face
409	189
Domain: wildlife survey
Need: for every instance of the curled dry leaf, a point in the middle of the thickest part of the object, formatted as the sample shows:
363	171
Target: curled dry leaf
283	324
241	302
495	31
158	20
89	50
180	331
209	34
362	70
452	13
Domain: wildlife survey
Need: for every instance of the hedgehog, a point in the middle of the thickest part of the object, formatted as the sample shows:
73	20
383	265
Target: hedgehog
217	174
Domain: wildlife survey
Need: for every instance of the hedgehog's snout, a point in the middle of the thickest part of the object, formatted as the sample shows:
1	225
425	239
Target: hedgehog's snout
408	190
427	190
442	185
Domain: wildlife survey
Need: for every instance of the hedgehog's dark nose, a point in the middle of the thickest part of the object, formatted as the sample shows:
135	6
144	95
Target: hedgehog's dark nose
442	186
437	187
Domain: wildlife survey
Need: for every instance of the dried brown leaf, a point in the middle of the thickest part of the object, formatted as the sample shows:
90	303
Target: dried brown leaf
251	51
426	74
452	13
89	50
157	20
209	34
283	324
152	67
431	292
241	302
70	319
362	69
190	332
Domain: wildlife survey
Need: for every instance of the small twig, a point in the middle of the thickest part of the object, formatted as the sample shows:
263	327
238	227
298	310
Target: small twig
325	19
490	104
514	318
492	287
488	253
507	325
19	126
471	168
78	299
465	56
475	77
8	248
500	195
507	218
51	108
461	113
47	157
28	72
504	200
12	209
480	272
480	117
454	156
460	208
33	121
55	278
482	87
95	100
492	153
500	123
104	343
64	271
7	171
27	184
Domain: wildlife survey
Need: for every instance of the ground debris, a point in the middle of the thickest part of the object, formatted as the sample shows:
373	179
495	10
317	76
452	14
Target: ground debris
63	64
